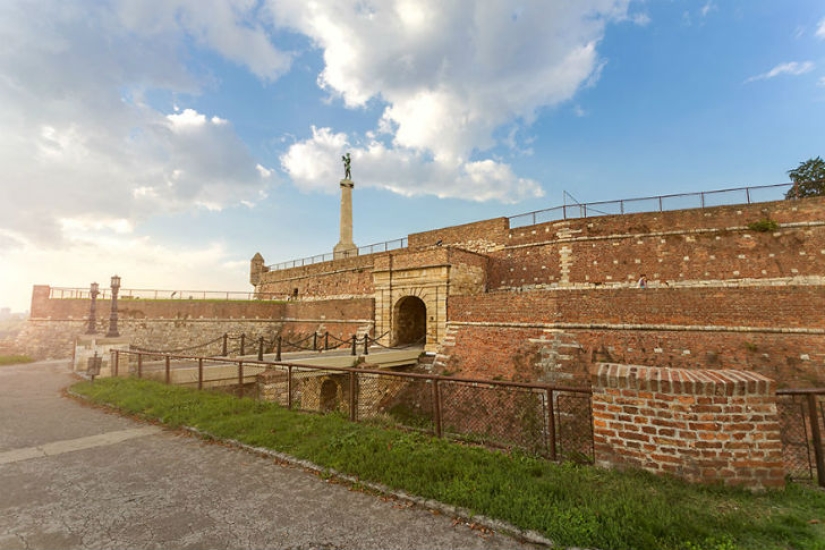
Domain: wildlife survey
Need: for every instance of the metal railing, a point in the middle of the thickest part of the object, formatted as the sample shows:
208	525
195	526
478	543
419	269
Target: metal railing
385	246
659	203
547	420
58	293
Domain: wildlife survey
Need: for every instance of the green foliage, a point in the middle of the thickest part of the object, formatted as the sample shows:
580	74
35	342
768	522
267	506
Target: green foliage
764	225
570	504
808	179
14	359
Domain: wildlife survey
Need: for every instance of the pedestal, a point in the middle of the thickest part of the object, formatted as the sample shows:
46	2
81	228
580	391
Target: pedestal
87	345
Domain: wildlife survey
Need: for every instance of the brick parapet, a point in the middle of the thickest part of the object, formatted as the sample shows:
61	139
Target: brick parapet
712	426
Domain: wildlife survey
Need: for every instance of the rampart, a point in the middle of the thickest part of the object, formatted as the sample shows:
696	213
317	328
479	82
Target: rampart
739	287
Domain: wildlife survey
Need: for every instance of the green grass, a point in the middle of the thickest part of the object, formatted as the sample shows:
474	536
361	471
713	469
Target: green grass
14	359
572	505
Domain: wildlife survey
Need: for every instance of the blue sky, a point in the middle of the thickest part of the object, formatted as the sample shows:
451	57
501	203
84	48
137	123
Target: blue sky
168	141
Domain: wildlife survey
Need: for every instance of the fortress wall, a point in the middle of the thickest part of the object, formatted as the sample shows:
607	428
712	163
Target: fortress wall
176	324
684	248
556	336
341	278
808	210
477	236
766	306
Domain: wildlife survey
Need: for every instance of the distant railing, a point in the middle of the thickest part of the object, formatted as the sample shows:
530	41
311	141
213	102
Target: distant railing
58	293
362	250
660	203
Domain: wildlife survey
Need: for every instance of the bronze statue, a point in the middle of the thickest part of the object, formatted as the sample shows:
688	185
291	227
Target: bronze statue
347	162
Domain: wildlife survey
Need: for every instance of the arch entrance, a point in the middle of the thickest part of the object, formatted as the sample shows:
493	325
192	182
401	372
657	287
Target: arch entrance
410	318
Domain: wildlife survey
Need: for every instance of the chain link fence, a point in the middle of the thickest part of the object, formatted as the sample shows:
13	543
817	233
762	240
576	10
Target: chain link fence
550	421
802	423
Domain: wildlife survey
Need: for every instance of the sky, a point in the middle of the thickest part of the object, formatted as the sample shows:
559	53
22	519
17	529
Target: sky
168	141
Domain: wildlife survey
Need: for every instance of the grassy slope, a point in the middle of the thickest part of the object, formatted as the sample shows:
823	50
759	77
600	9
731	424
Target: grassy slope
572	505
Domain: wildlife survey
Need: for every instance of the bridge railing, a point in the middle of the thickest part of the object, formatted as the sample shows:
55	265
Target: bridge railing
58	293
658	203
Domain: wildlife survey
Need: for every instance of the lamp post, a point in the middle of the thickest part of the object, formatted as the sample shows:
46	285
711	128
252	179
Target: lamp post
94	291
113	317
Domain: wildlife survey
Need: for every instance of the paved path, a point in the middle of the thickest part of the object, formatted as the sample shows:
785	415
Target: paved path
72	476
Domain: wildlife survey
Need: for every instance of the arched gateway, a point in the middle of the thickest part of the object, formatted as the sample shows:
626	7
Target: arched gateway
410	316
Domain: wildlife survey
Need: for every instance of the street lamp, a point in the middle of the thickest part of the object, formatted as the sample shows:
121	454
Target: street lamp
92	320
113	317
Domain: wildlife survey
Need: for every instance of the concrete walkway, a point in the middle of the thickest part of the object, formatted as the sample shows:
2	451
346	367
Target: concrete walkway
72	476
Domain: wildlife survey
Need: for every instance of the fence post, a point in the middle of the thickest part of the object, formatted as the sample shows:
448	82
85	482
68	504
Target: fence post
551	424
436	407
223	348
140	365
115	362
314	341
817	437
354	344
240	378
326	340
260	348
366	344
200	373
278	351
243	343
168	369
353	401
289	387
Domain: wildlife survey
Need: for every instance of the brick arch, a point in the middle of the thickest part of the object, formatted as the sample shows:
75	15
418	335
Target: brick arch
409	320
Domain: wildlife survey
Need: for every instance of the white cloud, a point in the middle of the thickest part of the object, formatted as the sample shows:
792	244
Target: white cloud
449	74
312	164
792	68
79	140
820	30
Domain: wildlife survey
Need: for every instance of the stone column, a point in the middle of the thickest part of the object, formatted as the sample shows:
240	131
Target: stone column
345	247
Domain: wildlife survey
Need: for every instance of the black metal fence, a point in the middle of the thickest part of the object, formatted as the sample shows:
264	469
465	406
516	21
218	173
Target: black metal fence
546	420
802	423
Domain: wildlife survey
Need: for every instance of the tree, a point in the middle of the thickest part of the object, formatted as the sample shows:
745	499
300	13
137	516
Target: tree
808	179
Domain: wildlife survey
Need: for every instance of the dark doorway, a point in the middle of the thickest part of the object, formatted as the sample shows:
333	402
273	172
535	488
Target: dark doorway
410	321
329	396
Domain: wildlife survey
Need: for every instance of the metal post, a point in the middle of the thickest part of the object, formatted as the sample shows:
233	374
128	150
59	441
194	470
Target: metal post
353	402
354	344
326	341
817	437
200	373
436	408
278	351
240	378
314	341
224	352
243	343
140	365
115	359
260	348
366	344
551	424
168	369
289	387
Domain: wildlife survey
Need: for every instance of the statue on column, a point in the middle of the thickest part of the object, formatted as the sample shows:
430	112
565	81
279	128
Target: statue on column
347	163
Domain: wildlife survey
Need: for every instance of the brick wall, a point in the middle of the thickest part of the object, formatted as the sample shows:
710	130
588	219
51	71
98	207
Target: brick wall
178	324
715	426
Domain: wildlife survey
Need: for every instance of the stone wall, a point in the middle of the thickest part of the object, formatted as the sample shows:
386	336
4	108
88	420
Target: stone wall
557	335
715	426
184	325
